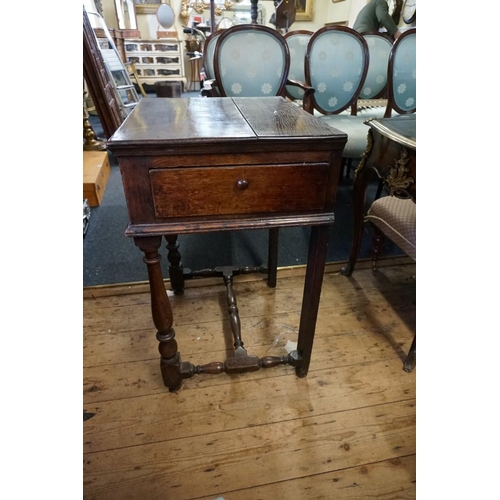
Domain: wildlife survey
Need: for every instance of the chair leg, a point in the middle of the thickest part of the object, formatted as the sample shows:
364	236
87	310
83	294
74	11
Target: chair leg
411	359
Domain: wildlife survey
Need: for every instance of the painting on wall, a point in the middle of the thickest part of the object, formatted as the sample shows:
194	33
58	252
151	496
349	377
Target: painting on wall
147	6
304	9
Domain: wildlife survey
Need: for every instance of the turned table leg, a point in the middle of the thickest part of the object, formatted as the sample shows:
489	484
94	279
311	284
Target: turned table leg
316	259
162	313
175	269
272	260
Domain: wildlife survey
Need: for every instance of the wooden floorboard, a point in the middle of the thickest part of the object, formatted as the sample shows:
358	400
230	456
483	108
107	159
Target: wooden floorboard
347	430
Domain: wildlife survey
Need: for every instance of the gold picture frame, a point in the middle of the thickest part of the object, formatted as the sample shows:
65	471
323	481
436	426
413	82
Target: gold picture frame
147	8
304	10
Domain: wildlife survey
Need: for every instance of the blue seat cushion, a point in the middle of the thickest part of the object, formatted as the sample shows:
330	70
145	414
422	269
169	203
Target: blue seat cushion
354	127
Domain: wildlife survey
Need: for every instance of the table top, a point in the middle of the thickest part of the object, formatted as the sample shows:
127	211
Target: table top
401	129
181	121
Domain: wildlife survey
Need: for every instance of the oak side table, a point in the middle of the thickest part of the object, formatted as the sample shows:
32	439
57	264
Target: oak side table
212	164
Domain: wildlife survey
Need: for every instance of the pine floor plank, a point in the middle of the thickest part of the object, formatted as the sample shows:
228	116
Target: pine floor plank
388	480
254	299
217	462
231	404
141	378
347	430
269	331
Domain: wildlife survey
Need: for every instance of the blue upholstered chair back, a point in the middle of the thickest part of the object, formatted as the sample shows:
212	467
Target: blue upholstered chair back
402	74
336	66
251	61
379	48
208	54
297	45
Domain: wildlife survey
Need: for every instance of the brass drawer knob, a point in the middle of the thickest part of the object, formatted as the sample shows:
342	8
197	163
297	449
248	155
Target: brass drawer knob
242	184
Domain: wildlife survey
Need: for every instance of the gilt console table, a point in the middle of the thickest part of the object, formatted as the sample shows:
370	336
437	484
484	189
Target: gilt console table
212	164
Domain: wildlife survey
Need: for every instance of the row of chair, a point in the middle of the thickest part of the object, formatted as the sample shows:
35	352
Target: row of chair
333	72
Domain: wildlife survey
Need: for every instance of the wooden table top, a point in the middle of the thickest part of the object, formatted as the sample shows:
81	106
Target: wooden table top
181	121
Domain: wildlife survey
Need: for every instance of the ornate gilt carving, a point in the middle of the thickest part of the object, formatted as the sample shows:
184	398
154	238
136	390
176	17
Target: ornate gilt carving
184	15
369	146
398	179
199	6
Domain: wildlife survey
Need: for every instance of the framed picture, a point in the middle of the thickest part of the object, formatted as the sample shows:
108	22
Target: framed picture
147	6
304	10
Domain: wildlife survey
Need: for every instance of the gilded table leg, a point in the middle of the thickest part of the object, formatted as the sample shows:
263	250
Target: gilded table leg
361	177
162	313
318	244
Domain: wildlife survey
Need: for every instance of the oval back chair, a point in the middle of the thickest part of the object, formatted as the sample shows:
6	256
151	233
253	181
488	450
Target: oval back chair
379	49
251	61
208	54
402	75
336	66
297	44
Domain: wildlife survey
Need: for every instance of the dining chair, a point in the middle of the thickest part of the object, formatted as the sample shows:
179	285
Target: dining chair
396	219
253	61
372	101
402	75
336	66
208	64
297	45
373	96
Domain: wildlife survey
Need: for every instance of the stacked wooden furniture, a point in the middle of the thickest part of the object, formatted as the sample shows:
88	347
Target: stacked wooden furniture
157	60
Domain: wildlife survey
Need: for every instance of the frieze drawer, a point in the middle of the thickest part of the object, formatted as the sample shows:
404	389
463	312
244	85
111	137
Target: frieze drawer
184	192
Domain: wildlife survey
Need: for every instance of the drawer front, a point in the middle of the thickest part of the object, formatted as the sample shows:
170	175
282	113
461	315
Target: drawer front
184	192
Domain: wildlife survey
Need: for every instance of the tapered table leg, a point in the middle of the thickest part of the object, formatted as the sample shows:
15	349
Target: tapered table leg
162	313
318	244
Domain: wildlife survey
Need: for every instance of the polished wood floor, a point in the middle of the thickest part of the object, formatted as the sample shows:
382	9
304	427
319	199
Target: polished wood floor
346	431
